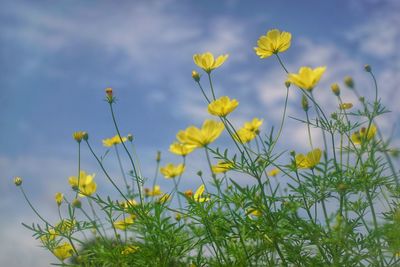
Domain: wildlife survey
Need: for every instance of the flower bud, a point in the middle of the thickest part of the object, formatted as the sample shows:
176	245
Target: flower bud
188	193
78	136
348	81
367	68
59	198
287	84
335	89
109	95
85	136
17	181
200	173
178	217
129	137
304	103
195	76
76	203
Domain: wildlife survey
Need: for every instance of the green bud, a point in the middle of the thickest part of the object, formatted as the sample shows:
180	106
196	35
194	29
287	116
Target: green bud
367	68
304	103
348	81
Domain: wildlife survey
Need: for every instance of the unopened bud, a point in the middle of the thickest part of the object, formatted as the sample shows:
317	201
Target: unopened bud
348	81
158	156
195	76
85	136
287	84
17	181
76	203
109	95
200	173
59	198
78	136
304	103
335	89
367	68
129	137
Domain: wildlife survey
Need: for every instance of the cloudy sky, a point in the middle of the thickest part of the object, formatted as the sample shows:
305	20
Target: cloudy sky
56	58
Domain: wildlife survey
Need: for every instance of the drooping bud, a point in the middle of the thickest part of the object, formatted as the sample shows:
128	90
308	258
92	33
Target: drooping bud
17	181
348	81
335	89
304	103
367	68
195	76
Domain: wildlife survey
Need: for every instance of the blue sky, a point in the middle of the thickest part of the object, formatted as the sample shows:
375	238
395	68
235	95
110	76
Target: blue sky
56	58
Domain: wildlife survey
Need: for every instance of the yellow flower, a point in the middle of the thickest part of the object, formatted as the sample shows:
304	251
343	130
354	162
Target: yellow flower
362	135
50	236
344	106
194	136
115	140
181	149
207	62
274	172
63	251
86	184
17	181
129	250
198	194
254	212
273	42
59	198
170	170
155	192
308	161
188	193
222	106
222	167
244	135
65	226
78	136
307	78
254	125
127	204
124	223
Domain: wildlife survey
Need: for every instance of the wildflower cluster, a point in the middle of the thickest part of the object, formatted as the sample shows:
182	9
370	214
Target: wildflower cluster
335	204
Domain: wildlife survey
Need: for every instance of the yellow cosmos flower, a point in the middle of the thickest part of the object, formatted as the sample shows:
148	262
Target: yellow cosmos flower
273	172
86	184
63	251
222	167
307	78
244	136
254	125
194	136
344	106
155	192
273	42
222	106
170	170
363	135
59	198
124	223
129	250
115	140
198	195
49	236
207	62
310	160
181	149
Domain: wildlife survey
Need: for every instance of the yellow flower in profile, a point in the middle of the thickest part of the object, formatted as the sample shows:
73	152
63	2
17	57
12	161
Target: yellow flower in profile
307	78
115	140
222	106
63	251
244	136
222	167
274	172
124	223
181	149
198	195
196	137
155	192
127	204
86	184
273	42
310	160
49	236
363	135
254	212
344	106
129	250
170	170
207	62
254	125
59	198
